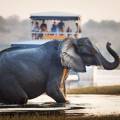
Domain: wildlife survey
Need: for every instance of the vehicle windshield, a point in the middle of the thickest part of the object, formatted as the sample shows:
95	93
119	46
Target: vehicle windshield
55	29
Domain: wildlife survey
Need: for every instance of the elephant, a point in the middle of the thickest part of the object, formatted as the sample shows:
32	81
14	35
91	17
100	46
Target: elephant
26	73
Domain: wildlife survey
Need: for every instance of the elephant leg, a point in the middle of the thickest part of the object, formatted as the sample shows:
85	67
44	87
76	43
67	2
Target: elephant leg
53	90
11	92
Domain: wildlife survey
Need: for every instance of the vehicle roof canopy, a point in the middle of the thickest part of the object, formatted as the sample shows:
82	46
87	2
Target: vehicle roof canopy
54	16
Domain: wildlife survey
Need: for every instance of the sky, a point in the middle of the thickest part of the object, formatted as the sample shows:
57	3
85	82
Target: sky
88	9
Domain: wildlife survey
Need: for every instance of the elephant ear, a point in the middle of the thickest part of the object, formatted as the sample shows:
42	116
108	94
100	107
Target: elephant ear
70	58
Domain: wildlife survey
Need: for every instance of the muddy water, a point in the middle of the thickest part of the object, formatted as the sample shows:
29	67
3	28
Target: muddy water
89	104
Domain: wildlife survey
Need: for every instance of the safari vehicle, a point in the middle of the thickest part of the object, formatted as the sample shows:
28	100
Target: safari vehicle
48	26
55	25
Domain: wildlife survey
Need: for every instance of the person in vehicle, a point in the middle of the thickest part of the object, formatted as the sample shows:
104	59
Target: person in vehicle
69	30
61	26
43	29
55	28
43	26
35	30
35	27
78	28
33	34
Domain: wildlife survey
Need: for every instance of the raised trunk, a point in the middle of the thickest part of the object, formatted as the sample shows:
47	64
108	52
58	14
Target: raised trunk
110	65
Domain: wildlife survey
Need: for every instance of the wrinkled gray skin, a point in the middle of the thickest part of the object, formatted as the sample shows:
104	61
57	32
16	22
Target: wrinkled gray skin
28	73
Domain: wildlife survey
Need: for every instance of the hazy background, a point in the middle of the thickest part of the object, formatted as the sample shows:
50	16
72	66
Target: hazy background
100	19
15	29
88	9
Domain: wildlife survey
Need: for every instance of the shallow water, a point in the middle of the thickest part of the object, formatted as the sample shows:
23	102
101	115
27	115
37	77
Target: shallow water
88	104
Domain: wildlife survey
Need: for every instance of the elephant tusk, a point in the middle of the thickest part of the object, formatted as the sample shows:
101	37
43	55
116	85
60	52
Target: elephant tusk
64	77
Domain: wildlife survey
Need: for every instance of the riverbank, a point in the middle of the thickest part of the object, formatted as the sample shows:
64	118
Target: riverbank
111	90
36	116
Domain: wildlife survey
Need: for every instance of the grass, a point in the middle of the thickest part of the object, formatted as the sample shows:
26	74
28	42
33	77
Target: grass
57	117
111	90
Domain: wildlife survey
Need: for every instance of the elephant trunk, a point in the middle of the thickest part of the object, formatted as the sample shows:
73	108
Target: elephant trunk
106	64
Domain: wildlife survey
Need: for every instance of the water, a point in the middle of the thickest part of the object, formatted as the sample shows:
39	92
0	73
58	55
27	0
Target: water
89	104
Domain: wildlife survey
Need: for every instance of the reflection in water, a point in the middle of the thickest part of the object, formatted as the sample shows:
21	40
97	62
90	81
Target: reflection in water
93	104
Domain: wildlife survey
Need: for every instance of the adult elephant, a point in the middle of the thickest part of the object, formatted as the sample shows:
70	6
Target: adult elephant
28	73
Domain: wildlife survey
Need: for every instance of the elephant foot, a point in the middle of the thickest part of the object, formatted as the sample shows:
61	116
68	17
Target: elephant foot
56	94
67	102
62	104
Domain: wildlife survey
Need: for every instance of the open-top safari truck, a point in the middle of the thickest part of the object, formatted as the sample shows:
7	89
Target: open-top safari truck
47	26
55	25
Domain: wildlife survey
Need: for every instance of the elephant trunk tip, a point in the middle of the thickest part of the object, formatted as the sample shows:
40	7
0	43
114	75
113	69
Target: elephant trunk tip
108	44
110	65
